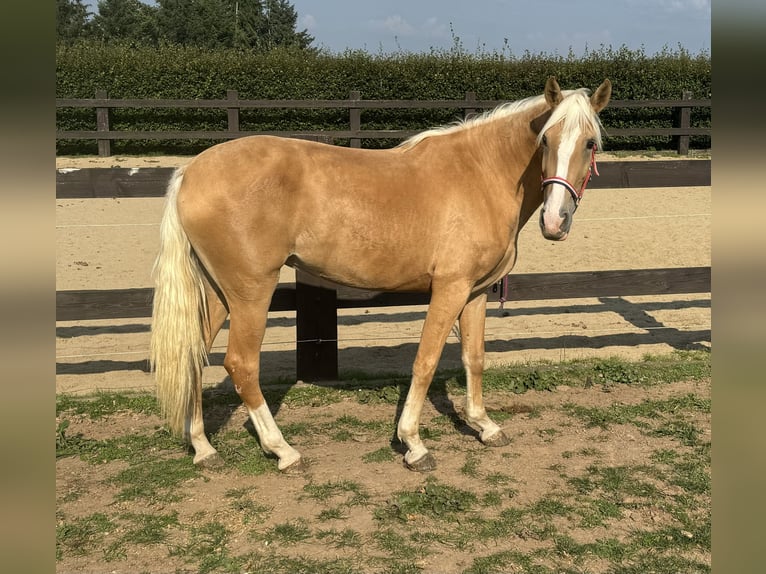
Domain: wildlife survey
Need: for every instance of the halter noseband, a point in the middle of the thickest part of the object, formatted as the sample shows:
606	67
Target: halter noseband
576	195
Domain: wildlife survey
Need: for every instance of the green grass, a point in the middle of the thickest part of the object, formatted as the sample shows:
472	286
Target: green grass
346	538
487	512
383	454
290	532
79	535
432	499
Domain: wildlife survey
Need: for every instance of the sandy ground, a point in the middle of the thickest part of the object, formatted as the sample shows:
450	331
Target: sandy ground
111	243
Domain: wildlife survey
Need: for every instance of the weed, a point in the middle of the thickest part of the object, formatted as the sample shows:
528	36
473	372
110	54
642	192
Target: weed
341	539
148	528
79	536
395	544
242	450
432	500
103	403
332	489
383	454
335	513
250	510
155	480
471	466
207	546
290	532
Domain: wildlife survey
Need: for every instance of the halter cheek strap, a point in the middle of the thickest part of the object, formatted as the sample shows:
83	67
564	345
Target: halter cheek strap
574	192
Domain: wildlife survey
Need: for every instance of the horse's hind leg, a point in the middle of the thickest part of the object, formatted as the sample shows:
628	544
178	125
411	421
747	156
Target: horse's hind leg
204	453
247	327
472	321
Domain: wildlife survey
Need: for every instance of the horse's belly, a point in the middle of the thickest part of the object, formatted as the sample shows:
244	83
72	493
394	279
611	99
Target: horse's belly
366	273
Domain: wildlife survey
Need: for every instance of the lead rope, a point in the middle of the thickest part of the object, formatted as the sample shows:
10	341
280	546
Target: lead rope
503	291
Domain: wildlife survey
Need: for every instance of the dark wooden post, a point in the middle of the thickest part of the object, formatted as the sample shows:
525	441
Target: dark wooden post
102	125
354	118
232	113
684	121
316	320
470	105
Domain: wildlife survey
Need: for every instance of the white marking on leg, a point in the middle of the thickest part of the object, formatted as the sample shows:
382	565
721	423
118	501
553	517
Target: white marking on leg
408	431
477	415
271	437
195	430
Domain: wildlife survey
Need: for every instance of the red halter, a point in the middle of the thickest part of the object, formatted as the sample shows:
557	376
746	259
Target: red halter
576	195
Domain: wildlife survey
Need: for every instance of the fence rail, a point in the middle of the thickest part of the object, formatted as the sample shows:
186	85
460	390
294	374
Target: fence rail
104	135
316	301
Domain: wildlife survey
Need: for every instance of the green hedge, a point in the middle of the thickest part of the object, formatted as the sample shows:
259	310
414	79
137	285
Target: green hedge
183	73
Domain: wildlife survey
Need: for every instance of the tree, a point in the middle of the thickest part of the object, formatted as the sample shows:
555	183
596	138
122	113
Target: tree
282	20
71	20
254	24
125	20
275	25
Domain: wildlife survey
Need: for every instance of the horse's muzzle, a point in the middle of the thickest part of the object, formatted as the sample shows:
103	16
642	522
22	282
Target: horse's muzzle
555	227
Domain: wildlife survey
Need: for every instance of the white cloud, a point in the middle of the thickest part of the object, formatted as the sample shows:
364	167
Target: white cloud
674	6
435	29
399	26
396	25
307	21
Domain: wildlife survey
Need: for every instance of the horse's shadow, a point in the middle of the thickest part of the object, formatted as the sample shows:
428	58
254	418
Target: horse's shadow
221	403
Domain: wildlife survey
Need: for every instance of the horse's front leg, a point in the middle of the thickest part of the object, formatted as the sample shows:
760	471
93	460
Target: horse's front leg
472	321
443	311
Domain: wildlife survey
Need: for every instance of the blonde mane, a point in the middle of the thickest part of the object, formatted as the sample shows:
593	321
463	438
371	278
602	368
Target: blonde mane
574	109
501	111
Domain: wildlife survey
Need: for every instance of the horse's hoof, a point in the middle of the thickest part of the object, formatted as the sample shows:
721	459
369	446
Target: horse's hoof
296	467
211	462
425	463
497	439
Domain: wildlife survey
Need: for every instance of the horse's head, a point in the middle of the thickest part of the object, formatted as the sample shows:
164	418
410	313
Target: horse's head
569	140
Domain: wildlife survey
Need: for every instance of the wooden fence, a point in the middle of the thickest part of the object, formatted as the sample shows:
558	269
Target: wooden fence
104	135
316	301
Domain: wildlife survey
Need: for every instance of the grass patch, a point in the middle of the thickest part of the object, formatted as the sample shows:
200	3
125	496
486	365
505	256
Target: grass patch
431	500
80	536
290	532
207	547
156	480
241	450
383	454
351	493
346	538
653	417
102	404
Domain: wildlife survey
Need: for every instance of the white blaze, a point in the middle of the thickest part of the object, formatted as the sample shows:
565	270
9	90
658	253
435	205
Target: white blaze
557	194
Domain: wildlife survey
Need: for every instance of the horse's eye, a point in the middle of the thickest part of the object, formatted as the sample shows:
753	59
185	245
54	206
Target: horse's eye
545	141
591	144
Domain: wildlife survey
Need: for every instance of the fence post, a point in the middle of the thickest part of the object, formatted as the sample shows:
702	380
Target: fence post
102	125
470	105
316	322
684	121
354	118
232	112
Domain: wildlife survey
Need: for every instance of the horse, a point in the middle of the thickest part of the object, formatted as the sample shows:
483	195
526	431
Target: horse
439	213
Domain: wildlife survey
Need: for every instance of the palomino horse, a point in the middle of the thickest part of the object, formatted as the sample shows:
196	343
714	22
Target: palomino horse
439	213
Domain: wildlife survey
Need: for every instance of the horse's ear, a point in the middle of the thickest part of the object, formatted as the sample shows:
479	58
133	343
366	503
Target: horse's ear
553	92
600	98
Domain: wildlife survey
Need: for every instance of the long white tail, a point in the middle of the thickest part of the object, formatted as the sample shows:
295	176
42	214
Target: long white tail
177	352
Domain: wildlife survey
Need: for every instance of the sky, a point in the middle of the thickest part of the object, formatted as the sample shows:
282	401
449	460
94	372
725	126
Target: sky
515	26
